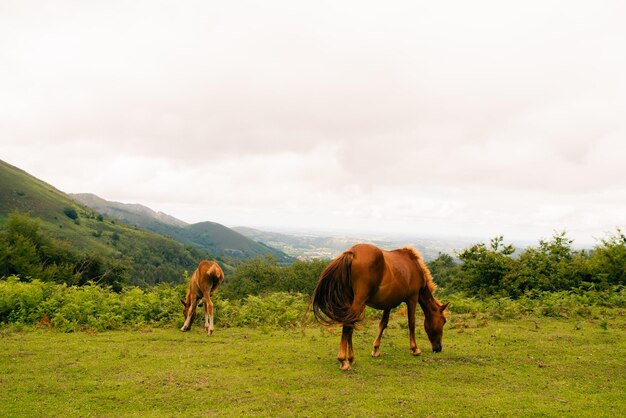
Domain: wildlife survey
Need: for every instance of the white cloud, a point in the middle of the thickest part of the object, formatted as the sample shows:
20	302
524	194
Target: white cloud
461	117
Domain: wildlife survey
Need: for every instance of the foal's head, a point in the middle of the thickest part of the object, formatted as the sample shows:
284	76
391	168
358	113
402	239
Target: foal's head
434	320
186	307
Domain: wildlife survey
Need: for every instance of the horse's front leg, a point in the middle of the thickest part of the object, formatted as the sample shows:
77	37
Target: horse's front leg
381	327
346	355
411	306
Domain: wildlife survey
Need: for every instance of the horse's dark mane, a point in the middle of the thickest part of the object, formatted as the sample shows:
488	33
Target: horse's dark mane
417	257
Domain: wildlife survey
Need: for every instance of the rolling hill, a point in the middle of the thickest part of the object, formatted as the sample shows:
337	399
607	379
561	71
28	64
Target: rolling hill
148	257
209	236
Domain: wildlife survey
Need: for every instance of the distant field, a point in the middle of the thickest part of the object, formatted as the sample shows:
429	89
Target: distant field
533	366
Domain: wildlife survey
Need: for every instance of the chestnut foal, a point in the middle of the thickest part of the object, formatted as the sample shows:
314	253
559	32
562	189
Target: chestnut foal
204	282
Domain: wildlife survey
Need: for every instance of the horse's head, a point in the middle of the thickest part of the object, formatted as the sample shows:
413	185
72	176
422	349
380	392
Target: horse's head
186	306
434	321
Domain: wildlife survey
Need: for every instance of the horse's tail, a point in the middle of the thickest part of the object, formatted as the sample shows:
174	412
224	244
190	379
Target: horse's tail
333	295
216	276
216	271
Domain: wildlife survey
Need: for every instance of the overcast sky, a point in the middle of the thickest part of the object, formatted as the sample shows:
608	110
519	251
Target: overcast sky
452	118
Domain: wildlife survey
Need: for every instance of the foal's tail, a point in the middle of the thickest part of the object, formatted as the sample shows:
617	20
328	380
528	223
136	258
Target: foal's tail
333	295
217	277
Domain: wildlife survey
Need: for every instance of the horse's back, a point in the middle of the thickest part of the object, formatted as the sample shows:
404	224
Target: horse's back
391	277
209	271
368	262
403	265
366	252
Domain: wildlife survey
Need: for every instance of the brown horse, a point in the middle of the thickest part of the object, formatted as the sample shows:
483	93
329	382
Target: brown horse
204	282
366	275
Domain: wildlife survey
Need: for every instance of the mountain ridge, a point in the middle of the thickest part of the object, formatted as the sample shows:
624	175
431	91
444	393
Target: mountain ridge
109	208
209	236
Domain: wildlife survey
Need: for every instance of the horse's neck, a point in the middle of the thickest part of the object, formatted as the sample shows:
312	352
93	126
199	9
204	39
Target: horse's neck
193	287
427	301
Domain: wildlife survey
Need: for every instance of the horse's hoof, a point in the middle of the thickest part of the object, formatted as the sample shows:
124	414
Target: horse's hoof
345	365
416	352
375	353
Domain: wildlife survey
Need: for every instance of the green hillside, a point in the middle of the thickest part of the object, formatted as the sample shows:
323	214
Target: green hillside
219	239
145	256
209	236
133	214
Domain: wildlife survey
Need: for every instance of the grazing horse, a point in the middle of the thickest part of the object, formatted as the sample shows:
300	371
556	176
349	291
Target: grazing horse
366	275
204	282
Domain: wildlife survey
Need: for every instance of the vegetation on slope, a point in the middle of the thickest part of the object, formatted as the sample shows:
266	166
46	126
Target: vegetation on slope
42	229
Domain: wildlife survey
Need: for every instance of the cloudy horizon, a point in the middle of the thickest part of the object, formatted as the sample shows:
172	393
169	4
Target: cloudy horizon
457	118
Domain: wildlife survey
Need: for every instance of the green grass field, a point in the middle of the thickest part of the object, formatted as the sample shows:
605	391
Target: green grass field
528	367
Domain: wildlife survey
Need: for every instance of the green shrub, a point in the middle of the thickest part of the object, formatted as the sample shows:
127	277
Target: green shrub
608	261
71	308
280	309
70	213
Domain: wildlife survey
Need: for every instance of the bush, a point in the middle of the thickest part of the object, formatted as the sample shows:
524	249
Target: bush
70	213
485	269
553	266
608	261
258	276
71	308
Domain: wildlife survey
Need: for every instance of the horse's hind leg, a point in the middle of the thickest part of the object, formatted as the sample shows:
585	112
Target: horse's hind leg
411	305
381	327
208	316
346	355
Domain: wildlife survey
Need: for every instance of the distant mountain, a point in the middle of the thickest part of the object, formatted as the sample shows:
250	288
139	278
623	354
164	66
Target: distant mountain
209	236
150	257
130	213
306	246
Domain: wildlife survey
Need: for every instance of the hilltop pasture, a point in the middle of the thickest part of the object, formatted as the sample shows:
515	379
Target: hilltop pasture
525	366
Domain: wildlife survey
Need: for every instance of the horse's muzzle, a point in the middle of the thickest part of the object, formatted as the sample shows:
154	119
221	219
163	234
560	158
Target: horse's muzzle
437	349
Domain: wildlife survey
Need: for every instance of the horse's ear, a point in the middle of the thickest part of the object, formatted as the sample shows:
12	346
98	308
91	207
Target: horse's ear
444	306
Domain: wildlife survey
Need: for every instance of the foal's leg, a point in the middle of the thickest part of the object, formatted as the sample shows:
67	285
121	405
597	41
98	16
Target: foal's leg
381	327
411	305
208	312
191	314
346	356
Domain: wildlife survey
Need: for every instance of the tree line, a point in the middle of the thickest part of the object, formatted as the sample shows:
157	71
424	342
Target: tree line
494	269
554	265
481	270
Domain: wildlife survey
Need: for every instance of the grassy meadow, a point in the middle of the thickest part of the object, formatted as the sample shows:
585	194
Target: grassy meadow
529	366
